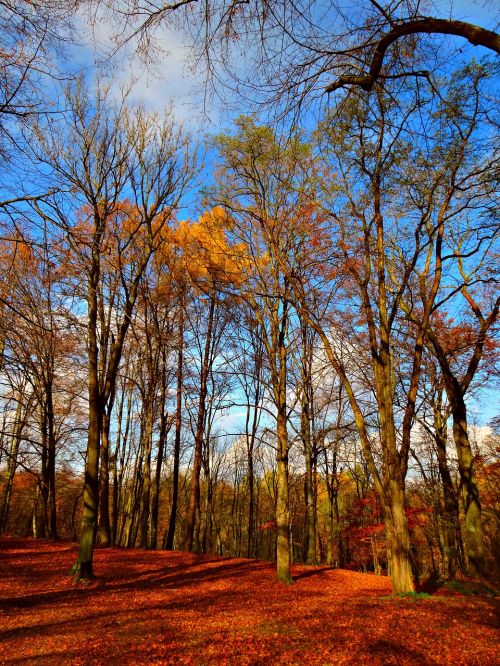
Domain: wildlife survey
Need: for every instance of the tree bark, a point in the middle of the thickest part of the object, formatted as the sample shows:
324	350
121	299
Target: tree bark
474	34
473	530
51	463
83	567
310	522
398	540
283	572
146	446
169	541
450	515
105	536
194	502
155	490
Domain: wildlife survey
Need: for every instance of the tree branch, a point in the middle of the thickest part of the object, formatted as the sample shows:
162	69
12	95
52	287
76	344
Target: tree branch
473	33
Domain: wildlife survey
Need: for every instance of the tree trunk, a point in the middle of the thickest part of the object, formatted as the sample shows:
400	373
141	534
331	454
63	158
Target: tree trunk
155	490
251	495
398	540
83	567
473	530
282	497
283	518
105	536
146	446
450	511
51	470
169	541
310	521
11	466
119	468
194	502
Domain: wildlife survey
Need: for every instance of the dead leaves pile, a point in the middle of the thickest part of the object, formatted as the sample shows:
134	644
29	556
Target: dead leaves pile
176	608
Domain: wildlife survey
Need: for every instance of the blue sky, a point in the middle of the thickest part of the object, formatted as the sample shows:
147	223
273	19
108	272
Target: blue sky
171	82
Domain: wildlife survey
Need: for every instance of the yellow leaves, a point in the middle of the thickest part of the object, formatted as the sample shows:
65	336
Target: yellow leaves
207	251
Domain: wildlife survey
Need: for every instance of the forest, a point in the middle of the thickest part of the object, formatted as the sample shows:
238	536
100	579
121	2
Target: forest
276	339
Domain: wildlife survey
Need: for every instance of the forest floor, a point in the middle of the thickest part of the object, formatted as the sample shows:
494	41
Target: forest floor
155	607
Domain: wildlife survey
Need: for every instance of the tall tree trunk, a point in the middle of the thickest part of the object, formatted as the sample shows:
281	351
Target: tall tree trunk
282	506
19	422
251	436
398	540
83	567
136	496
473	529
115	493
51	463
105	536
155	490
310	517
194	501
282	498
455	390
44	485
450	510
119	467
307	443
146	446
169	541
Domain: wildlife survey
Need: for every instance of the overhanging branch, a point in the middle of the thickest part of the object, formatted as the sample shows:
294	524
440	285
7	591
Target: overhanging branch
473	33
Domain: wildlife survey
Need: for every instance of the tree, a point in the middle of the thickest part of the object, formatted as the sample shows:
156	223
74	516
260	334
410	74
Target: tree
265	184
371	146
433	417
466	159
122	176
297	52
31	36
37	345
207	260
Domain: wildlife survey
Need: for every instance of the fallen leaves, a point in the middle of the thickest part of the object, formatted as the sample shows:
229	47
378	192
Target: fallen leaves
154	607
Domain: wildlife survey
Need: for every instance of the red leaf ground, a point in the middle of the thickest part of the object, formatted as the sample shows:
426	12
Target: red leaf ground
175	608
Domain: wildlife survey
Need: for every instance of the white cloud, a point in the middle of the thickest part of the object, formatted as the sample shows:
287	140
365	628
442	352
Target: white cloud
168	82
231	422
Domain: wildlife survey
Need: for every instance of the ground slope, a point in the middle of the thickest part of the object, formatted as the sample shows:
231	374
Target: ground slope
175	608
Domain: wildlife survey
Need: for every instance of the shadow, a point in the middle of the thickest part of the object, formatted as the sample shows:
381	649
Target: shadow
316	571
111	617
384	648
175	577
31	553
431	585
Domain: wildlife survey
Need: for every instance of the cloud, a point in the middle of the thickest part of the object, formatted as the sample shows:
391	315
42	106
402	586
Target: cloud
232	422
166	83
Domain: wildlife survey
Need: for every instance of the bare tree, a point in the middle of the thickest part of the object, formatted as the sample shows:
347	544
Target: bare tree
290	53
123	175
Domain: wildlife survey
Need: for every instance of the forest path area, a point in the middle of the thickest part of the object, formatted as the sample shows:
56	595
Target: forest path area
158	607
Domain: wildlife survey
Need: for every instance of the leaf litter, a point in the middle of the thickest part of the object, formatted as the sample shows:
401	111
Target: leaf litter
159	607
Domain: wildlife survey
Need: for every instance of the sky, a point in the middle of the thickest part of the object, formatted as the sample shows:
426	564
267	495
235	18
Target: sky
171	82
168	83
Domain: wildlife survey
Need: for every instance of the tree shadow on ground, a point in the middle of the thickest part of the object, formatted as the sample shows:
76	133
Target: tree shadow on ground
389	652
316	571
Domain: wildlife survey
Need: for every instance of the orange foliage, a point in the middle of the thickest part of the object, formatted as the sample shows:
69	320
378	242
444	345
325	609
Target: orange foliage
459	339
207	251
